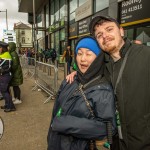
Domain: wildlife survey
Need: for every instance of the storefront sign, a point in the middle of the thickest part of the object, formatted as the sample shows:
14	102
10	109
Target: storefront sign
134	10
83	26
84	10
73	31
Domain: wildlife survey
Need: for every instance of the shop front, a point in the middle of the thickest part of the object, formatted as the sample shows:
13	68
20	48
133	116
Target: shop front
135	19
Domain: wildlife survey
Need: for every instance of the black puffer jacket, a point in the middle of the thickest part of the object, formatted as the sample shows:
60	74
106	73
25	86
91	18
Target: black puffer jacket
75	126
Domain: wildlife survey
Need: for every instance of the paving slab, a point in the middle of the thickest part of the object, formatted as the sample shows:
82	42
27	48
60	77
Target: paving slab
27	127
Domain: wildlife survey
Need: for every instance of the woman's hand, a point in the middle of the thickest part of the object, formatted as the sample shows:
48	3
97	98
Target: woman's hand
70	77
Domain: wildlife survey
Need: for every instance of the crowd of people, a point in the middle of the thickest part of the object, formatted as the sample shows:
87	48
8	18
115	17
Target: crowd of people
44	55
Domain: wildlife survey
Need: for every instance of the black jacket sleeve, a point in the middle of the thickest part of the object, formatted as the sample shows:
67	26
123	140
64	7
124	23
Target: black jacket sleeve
79	127
104	111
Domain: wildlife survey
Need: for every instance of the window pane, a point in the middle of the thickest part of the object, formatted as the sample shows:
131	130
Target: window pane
62	34
72	16
143	34
82	2
62	12
73	5
57	41
39	20
47	16
52	40
62	3
52	13
56	17
100	4
129	34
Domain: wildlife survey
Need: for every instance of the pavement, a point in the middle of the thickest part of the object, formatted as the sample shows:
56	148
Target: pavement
27	127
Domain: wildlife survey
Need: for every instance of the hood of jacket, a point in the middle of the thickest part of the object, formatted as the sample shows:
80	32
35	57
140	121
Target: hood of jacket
12	46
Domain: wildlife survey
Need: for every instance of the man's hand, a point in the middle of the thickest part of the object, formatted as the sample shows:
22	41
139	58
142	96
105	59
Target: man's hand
70	77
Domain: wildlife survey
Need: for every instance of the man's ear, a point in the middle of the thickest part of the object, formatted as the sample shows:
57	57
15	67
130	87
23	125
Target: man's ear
121	31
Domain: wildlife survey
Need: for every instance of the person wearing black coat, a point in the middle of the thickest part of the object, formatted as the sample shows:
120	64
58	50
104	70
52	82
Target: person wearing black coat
128	68
74	124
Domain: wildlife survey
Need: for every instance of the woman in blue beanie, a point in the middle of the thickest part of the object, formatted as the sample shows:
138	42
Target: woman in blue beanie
82	108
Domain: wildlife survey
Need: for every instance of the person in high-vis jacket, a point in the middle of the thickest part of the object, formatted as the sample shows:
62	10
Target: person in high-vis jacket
5	77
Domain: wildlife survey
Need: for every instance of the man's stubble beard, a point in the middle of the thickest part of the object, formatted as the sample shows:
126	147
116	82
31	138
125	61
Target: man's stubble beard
111	49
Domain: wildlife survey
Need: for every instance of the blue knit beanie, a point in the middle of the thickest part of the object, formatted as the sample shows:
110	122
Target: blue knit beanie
89	43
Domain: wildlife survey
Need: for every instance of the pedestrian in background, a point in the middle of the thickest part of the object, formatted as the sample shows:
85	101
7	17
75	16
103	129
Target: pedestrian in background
17	76
83	108
53	55
5	77
68	58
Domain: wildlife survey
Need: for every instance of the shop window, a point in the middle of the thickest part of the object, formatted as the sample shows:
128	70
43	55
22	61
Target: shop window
52	13
57	41
62	12
129	34
56	16
72	17
143	35
39	20
82	2
52	40
62	34
47	16
73	5
100	5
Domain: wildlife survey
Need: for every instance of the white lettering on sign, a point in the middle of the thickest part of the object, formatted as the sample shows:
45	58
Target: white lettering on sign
130	2
131	9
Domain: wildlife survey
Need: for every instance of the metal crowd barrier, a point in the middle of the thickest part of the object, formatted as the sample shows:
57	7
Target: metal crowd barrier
45	75
28	66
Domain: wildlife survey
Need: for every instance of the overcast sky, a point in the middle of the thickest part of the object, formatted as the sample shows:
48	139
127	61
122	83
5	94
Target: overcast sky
12	13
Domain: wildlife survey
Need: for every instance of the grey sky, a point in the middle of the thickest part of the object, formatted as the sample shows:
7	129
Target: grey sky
13	15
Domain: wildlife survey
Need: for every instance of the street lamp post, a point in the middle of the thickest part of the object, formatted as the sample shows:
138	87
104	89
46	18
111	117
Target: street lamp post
6	19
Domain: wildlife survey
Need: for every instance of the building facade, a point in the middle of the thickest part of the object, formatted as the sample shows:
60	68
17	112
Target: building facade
23	36
62	22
